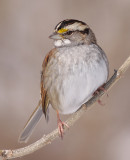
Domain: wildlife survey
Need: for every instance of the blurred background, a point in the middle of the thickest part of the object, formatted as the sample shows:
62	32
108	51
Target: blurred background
104	131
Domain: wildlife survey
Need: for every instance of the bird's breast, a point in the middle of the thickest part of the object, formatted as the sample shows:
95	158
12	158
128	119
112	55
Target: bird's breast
72	75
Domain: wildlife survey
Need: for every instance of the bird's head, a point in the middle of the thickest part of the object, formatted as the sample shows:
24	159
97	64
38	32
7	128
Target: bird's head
72	32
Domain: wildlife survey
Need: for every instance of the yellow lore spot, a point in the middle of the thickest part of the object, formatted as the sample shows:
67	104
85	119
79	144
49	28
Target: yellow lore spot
62	30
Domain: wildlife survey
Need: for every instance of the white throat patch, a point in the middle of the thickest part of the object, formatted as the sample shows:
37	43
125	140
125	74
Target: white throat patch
63	42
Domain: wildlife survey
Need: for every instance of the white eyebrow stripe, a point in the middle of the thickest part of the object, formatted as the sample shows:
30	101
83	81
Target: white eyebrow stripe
76	26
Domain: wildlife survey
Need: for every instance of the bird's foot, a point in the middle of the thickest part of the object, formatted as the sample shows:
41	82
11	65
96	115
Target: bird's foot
97	92
103	89
61	126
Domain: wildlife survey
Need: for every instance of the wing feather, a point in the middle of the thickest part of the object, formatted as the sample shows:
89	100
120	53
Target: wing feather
44	95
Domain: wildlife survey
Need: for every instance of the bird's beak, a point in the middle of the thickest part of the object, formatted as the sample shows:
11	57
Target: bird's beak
55	36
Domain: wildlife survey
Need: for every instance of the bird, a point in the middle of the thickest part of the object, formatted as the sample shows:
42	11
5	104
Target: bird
71	72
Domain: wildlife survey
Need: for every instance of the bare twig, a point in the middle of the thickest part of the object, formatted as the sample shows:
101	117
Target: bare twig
47	139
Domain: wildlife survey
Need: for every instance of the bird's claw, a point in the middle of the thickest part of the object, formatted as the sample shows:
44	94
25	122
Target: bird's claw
61	126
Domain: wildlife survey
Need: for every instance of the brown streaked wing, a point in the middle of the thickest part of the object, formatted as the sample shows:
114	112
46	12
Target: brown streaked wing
44	96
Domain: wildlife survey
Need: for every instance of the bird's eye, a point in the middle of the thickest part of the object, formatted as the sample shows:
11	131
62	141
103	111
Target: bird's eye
69	32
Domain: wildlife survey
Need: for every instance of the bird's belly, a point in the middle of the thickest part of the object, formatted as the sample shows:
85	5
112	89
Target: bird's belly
67	93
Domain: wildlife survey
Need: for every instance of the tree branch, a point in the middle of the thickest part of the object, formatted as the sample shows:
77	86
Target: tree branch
47	139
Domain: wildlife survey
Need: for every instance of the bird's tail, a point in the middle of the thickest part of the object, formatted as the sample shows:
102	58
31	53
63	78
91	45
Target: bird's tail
32	122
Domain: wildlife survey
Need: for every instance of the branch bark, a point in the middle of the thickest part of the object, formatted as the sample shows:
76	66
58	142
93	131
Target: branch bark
47	139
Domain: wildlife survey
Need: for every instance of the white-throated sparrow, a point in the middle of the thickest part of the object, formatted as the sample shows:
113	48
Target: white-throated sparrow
71	72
